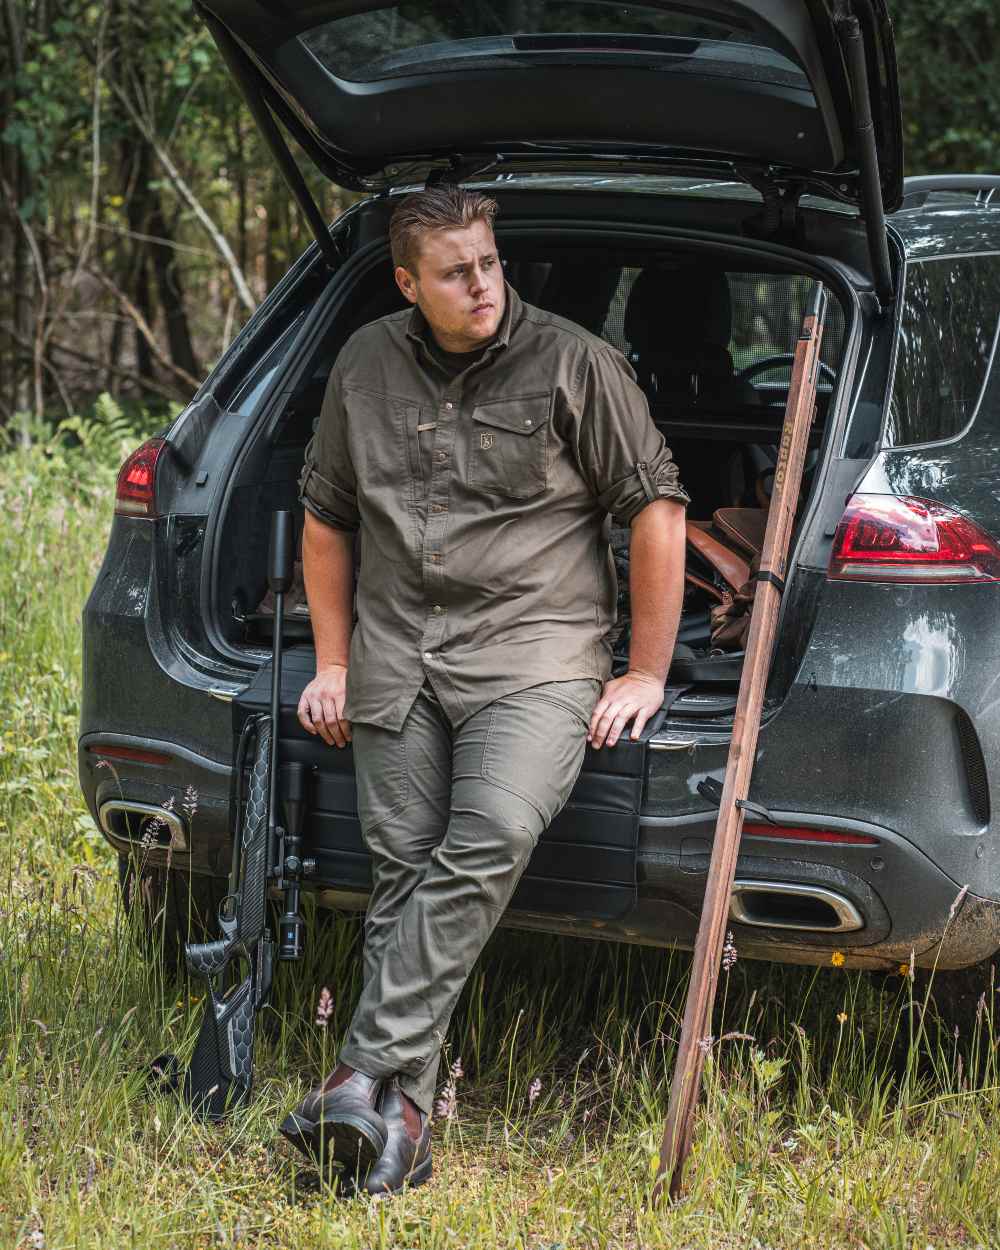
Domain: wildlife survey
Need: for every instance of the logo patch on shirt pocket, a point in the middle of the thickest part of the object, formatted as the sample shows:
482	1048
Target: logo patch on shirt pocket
510	448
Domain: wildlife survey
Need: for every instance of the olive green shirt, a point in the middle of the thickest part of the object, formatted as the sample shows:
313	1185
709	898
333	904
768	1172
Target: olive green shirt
484	503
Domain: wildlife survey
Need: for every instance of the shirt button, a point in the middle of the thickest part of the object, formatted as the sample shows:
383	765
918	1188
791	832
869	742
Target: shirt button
527	421
441	456
438	609
449	405
428	655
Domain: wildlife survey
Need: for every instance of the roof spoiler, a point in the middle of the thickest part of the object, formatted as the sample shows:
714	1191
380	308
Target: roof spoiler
985	187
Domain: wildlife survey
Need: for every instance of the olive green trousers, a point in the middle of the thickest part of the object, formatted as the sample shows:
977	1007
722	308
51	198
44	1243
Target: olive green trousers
450	816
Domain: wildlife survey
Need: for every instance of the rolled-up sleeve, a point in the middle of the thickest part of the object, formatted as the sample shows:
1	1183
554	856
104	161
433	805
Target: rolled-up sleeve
620	452
327	484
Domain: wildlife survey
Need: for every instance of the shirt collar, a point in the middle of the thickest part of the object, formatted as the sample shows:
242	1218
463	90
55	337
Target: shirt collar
512	313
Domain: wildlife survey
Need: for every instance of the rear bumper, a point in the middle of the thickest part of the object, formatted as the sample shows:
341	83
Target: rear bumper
908	914
901	896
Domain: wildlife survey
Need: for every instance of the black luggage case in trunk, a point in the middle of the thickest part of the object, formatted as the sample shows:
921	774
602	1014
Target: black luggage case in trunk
584	865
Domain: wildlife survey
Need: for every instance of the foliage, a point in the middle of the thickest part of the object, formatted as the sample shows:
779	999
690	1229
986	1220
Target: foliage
92	96
839	1111
949	63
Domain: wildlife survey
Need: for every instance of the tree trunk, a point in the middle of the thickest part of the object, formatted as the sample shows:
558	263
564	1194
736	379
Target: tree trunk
171	292
19	183
137	159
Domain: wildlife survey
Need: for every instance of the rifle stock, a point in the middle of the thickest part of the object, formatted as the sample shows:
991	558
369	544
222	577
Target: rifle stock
220	1076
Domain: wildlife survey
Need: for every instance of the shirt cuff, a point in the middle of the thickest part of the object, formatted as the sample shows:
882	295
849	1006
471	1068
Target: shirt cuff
327	502
651	480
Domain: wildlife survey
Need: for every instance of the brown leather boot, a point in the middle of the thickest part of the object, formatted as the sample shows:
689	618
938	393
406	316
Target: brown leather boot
337	1122
406	1159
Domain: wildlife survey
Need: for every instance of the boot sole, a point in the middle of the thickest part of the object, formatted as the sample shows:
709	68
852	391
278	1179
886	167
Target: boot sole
347	1140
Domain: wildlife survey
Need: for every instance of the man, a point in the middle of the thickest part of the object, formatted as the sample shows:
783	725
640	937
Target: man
478	444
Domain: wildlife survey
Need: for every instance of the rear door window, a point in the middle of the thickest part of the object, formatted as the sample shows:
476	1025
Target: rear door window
947	338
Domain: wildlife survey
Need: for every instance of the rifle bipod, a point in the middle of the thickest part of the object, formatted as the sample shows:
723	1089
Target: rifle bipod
265	853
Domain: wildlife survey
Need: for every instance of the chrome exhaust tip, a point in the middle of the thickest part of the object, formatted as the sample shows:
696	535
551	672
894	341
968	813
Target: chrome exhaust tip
135	824
786	905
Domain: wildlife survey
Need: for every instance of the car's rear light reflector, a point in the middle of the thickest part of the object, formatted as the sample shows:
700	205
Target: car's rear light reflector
798	833
895	538
135	494
130	753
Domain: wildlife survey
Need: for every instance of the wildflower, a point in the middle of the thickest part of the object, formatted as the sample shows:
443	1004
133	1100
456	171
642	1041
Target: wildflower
446	1107
904	970
838	959
37	1240
534	1089
324	1008
842	1017
728	953
705	1044
189	803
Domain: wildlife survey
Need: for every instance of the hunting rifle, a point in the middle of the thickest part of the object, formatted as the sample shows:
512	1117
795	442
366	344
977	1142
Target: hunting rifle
265	853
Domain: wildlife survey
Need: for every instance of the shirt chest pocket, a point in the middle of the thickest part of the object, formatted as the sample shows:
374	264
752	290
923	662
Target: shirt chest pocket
510	445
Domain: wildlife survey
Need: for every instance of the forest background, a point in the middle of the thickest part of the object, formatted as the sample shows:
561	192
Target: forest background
142	218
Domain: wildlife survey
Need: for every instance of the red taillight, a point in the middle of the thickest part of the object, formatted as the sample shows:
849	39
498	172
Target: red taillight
135	494
796	833
892	538
130	753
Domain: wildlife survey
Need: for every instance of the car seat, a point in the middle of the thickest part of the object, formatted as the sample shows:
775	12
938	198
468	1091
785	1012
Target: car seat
678	323
581	290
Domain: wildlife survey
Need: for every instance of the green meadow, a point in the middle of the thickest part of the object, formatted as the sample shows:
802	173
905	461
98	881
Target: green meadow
840	1108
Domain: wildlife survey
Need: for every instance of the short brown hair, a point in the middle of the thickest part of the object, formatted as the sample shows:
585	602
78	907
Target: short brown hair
444	207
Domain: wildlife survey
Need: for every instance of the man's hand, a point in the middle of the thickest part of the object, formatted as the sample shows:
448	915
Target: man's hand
635	694
321	708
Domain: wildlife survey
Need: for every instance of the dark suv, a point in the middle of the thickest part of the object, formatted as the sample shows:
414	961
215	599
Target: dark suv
676	178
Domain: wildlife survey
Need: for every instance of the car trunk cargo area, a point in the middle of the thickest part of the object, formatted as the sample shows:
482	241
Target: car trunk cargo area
710	337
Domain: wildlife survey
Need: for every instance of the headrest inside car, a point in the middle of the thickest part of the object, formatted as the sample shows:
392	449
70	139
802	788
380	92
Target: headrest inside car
682	309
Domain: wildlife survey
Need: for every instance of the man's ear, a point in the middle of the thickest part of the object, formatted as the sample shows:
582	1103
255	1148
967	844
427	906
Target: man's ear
406	283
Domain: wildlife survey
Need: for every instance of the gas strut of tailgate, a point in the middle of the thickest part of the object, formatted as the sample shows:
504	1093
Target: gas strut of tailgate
732	801
220	1075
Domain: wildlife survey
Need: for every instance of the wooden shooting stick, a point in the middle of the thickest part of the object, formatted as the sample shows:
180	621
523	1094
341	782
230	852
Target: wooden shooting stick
686	1085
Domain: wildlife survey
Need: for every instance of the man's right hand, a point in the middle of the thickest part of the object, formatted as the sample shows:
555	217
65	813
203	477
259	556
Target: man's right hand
321	708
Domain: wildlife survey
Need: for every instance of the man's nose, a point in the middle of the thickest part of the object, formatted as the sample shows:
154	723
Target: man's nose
477	280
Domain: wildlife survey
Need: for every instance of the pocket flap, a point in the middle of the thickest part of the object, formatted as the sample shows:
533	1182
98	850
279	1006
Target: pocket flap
521	415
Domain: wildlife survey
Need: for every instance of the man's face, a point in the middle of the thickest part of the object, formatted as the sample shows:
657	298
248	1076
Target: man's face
458	286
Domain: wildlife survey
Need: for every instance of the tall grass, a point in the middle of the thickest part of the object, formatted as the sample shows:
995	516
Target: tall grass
839	1108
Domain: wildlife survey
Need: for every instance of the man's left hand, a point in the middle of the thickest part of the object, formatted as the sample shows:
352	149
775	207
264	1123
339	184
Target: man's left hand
635	695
